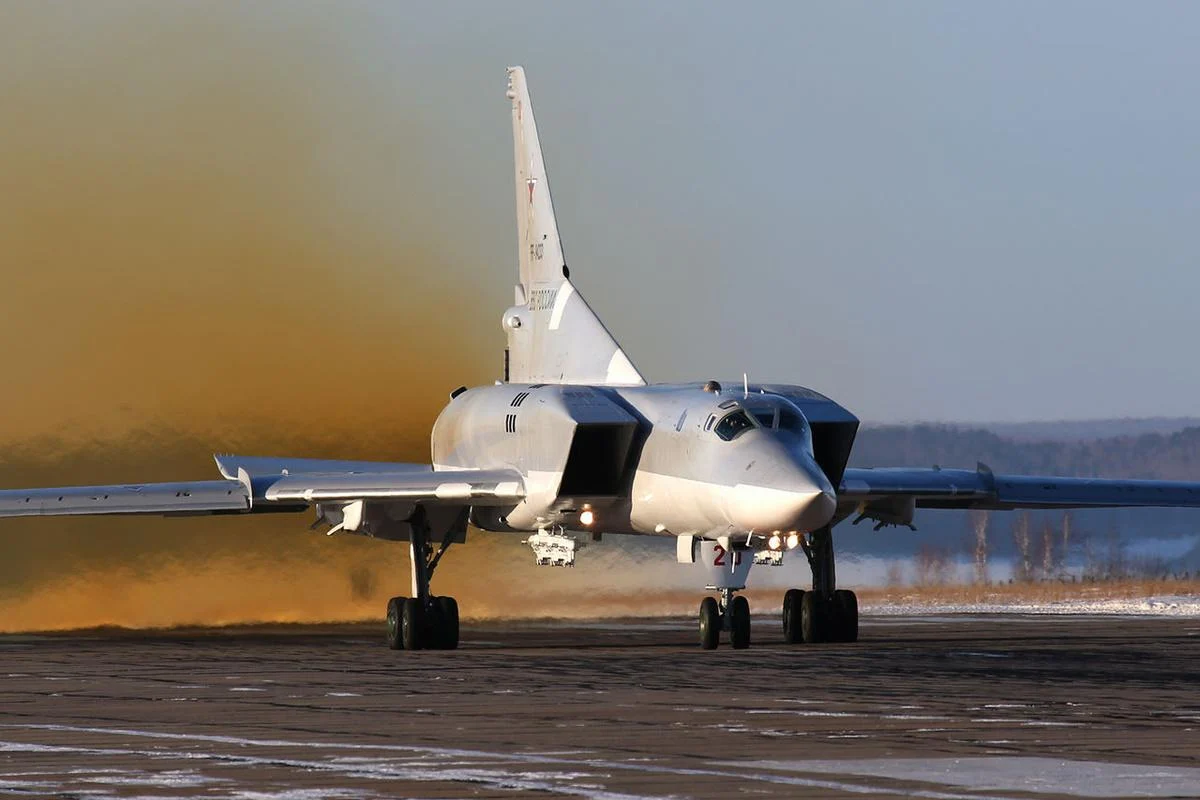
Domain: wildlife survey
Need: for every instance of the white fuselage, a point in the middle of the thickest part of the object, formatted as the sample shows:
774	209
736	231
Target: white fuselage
646	460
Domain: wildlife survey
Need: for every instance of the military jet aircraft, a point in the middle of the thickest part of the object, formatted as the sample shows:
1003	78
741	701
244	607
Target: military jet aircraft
574	441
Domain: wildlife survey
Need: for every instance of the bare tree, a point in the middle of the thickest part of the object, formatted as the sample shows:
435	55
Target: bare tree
1048	556
1116	561
1023	567
1091	560
1065	553
979	521
932	565
1105	560
894	576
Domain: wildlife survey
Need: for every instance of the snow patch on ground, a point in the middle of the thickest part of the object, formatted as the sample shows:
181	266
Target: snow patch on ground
1013	774
1164	606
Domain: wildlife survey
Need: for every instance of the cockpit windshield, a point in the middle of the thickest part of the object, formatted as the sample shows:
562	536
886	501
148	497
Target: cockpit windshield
765	416
768	412
777	414
733	425
793	422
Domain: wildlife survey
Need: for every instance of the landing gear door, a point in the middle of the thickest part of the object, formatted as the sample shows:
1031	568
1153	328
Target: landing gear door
725	567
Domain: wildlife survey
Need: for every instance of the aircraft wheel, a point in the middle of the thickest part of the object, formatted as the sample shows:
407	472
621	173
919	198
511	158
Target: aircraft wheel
447	623
793	600
710	624
412	624
814	618
845	607
395	640
739	623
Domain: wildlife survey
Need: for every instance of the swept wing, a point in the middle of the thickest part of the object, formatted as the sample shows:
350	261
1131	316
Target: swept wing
254	484
190	497
981	488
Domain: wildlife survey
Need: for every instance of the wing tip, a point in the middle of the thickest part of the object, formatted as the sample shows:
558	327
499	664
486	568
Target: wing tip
516	82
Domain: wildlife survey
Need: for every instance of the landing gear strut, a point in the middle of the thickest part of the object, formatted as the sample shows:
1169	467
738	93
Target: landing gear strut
424	622
826	613
731	614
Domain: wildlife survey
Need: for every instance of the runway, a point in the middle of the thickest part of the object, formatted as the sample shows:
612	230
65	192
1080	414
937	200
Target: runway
945	707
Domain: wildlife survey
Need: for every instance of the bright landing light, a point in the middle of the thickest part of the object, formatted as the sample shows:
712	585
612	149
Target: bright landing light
793	540
774	541
586	518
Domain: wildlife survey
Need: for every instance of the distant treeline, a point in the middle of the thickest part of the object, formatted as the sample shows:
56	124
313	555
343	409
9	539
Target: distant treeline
1173	456
1079	430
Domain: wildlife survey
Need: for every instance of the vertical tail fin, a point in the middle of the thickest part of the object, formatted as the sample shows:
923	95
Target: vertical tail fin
553	335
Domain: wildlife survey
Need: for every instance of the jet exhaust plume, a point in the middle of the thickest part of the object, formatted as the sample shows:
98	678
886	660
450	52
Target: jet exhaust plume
217	235
188	240
211	238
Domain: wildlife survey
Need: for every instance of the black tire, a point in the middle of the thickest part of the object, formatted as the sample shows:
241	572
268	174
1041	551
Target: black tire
793	613
739	623
814	618
710	624
394	625
447	623
412	624
431	620
431	634
834	619
845	604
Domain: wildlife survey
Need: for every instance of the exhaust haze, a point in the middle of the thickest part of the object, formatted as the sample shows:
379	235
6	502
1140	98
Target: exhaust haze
222	230
204	225
216	235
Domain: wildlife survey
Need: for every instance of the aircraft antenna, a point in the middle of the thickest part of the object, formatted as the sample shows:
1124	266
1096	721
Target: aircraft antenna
745	386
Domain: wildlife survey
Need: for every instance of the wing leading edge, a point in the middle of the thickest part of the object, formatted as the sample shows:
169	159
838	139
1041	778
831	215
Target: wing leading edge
256	485
191	497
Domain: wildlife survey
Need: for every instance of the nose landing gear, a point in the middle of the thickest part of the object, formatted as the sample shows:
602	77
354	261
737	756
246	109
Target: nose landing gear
711	624
731	614
725	563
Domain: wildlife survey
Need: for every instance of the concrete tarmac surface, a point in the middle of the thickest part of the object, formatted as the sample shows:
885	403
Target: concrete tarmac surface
964	706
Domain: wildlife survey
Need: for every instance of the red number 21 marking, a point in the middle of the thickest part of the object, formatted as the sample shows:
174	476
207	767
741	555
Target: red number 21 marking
719	560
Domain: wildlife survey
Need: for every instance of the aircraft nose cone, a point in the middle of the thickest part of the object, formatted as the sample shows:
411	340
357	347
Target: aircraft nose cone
818	511
792	496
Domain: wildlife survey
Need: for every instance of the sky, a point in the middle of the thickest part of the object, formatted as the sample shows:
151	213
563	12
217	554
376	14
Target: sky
928	211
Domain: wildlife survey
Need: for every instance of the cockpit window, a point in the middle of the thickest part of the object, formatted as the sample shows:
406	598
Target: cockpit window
765	416
733	425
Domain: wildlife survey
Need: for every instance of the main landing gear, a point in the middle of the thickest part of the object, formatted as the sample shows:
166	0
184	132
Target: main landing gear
731	614
825	613
423	622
